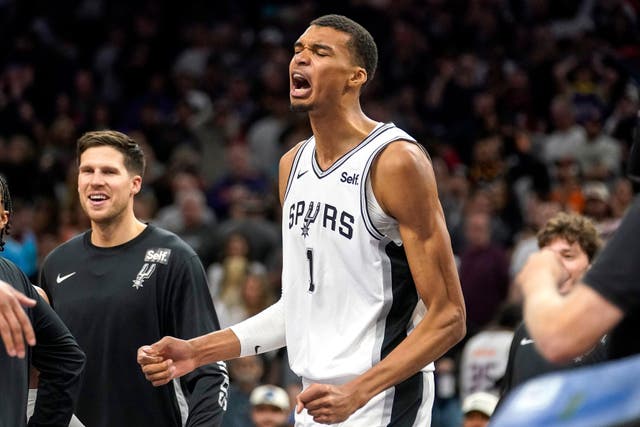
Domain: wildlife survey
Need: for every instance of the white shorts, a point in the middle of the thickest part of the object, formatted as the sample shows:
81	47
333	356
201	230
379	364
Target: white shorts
407	404
31	405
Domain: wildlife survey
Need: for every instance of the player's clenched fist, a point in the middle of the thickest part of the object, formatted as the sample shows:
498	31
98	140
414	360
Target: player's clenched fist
165	360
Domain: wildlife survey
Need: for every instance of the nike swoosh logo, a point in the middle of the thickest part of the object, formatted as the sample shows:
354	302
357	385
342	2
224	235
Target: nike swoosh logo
257	348
61	279
302	173
526	341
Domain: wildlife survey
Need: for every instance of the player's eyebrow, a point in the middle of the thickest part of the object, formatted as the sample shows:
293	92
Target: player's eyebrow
314	46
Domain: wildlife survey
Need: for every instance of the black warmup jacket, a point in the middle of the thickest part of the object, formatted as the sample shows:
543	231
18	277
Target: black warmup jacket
615	275
56	355
115	300
525	362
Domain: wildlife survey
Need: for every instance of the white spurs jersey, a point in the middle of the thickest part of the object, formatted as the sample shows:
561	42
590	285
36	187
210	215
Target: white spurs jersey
347	289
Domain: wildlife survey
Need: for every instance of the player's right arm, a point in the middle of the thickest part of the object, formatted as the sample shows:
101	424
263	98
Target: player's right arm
552	318
57	357
171	357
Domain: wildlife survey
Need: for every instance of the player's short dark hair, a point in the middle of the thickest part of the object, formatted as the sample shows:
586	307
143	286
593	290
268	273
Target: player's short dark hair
134	159
7	205
361	44
573	228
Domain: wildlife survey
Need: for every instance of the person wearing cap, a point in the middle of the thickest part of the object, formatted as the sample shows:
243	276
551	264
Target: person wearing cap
270	406
596	201
477	409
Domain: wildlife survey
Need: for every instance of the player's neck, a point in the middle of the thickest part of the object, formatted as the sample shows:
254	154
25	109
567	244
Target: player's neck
338	131
116	232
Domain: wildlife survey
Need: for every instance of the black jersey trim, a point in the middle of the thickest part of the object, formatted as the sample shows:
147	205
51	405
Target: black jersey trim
380	129
294	167
408	394
407	401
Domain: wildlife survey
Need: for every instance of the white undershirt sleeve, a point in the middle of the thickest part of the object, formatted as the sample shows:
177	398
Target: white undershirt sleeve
263	332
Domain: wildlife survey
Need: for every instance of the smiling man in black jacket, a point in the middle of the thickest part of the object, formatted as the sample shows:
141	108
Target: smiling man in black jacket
124	283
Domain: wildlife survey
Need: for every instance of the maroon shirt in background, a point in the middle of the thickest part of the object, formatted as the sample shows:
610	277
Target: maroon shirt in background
484	275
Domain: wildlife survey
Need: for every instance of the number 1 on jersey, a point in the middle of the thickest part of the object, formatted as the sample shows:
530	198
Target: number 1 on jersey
312	286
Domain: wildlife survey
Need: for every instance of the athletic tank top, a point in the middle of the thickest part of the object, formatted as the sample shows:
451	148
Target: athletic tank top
347	289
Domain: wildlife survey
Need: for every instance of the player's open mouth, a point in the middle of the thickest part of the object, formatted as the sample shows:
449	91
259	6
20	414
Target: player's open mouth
98	198
300	86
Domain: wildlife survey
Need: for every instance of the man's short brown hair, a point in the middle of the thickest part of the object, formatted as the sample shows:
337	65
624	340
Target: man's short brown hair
573	228
134	159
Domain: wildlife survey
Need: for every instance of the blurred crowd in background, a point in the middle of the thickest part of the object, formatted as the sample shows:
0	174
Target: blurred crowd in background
527	108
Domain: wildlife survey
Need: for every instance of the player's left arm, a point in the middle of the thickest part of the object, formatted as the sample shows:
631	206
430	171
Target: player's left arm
192	314
60	363
404	185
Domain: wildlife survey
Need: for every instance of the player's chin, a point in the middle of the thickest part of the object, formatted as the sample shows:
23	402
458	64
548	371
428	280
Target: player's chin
298	106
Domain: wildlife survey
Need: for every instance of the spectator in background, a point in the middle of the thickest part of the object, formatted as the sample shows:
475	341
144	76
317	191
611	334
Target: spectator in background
484	272
248	215
478	409
453	191
567	184
145	206
263	136
171	216
480	200
568	138
600	158
270	406
446	405
22	246
596	202
227	278
487	162
240	174
621	197
245	374
621	122
485	354
526	175
20	168
197	225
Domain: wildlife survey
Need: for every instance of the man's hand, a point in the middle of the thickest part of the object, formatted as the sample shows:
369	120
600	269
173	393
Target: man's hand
329	404
165	360
15	326
543	262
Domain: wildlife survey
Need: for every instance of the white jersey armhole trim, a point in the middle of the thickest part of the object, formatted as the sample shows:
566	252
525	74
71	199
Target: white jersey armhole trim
369	206
294	166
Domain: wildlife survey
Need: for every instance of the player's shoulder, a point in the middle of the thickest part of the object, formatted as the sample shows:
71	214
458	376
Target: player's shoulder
290	154
73	247
11	273
403	158
160	238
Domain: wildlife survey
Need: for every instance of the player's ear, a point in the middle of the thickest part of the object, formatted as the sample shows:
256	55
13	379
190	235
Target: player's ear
358	77
136	184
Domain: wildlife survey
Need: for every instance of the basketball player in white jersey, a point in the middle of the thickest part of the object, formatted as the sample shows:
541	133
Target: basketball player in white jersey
371	296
